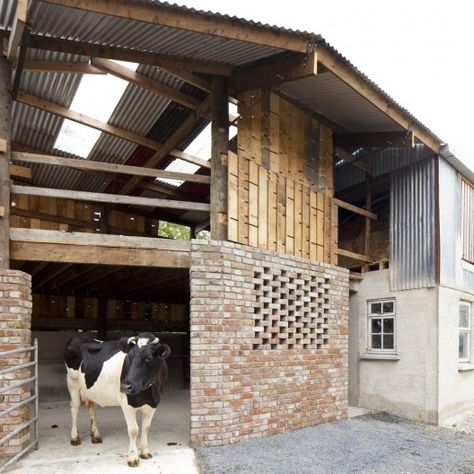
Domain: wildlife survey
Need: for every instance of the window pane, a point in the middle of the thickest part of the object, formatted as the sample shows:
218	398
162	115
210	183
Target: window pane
388	307
463	345
388	341
376	325
376	342
376	308
388	325
463	316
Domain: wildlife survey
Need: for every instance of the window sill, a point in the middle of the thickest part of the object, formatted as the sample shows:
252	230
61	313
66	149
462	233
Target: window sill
374	356
465	367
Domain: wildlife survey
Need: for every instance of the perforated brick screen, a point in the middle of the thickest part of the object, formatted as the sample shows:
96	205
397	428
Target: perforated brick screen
291	309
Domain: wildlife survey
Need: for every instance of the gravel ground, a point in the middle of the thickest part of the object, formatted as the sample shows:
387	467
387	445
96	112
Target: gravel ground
377	443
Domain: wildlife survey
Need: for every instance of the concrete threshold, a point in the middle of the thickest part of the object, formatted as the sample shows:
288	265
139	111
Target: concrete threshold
168	441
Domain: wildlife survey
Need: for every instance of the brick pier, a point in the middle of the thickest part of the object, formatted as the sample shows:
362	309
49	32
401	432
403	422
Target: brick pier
15	333
269	336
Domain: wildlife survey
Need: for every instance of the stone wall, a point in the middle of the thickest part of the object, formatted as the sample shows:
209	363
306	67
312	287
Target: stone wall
15	333
268	343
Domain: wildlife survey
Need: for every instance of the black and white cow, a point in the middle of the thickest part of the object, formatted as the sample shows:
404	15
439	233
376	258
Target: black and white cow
129	372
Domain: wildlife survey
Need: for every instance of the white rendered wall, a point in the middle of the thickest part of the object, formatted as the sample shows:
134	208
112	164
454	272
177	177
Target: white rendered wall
456	387
406	387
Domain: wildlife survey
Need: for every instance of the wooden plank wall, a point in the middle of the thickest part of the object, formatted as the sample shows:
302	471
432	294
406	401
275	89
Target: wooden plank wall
70	308
467	221
280	180
35	212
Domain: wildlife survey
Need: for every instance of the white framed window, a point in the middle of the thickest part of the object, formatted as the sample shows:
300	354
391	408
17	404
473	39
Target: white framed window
381	330
464	325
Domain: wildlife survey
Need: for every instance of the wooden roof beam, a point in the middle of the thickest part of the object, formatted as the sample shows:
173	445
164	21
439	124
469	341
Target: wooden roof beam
66	113
16	34
163	15
167	62
278	70
64	67
177	137
340	69
145	82
377	139
349	158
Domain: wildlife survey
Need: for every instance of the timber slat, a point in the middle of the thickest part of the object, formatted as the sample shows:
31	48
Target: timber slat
110	198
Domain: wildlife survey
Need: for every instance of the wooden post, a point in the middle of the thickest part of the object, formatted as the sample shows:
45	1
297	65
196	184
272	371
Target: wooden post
5	139
368	198
102	319
219	157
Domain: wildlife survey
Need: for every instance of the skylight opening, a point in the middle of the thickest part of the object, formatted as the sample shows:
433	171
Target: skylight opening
97	96
200	147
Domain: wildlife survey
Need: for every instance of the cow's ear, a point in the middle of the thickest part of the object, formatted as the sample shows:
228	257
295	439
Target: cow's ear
126	343
162	350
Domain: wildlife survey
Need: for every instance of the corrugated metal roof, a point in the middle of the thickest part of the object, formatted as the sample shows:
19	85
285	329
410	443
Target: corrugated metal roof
379	162
145	113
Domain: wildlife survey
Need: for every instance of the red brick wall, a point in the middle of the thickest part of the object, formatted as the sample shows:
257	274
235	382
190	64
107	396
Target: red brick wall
268	343
15	333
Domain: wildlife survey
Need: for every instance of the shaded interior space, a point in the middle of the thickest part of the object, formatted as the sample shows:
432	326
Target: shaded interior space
168	440
106	302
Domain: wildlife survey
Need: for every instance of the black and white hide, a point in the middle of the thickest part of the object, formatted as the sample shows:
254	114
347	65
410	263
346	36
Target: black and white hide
129	372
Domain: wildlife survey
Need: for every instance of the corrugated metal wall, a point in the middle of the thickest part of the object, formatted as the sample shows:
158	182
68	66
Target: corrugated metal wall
450	225
412	226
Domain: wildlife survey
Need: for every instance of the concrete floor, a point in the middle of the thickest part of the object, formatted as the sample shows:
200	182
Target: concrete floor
56	455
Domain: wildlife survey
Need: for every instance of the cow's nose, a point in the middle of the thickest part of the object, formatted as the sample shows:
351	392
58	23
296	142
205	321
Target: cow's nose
126	388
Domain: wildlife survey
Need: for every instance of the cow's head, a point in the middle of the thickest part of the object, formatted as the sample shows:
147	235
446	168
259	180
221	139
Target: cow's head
143	364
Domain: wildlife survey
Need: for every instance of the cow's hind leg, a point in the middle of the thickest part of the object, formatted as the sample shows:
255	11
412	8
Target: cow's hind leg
73	387
95	435
147	416
130	414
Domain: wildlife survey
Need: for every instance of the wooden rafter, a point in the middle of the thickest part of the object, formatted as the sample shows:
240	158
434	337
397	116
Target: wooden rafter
164	61
349	158
191	159
177	137
355	209
146	82
375	97
22	172
64	112
278	70
64	67
108	167
16	34
172	17
110	198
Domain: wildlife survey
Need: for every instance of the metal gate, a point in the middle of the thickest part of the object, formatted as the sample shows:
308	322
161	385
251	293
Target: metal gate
33	400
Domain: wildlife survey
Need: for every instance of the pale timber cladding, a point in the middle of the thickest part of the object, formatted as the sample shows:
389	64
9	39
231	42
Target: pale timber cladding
468	221
281	181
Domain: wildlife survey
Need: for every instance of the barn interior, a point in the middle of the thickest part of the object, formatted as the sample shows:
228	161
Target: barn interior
102	207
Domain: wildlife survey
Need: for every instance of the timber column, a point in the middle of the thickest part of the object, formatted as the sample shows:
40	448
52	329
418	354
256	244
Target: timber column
219	157
5	146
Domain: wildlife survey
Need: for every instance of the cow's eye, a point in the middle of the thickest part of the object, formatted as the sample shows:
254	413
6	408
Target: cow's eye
149	359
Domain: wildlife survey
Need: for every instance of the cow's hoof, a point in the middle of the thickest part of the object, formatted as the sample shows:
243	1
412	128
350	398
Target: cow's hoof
96	439
76	441
133	462
146	455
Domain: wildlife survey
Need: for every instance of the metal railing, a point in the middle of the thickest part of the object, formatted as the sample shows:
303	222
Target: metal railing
33	399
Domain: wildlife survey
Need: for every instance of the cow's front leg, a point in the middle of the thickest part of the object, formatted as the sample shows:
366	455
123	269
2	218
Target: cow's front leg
95	435
147	416
130	414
